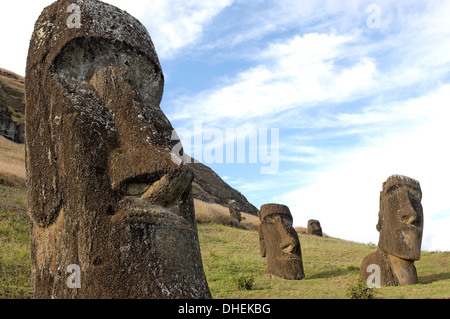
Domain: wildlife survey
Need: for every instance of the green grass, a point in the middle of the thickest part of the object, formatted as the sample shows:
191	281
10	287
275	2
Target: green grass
14	244
231	258
331	266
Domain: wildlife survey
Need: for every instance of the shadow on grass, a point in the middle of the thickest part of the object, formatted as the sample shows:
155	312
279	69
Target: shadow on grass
434	277
334	272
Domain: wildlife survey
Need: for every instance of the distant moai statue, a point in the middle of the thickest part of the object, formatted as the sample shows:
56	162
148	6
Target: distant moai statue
235	213
314	228
400	223
105	199
279	242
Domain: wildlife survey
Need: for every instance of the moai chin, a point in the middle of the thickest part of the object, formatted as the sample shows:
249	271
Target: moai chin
104	195
314	227
279	242
400	223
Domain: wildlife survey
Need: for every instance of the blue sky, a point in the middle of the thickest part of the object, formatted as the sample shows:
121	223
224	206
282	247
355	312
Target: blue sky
356	91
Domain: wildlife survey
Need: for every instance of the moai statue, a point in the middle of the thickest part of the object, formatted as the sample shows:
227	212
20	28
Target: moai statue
112	214
235	213
400	223
279	242
314	228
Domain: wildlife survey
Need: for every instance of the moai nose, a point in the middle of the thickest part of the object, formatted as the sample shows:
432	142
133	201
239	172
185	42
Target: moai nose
412	211
289	244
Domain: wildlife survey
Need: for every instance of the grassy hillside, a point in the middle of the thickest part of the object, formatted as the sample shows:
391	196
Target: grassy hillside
331	266
12	94
230	255
14	244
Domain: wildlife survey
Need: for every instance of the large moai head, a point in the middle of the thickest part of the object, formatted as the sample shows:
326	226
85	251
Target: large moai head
400	219
279	242
314	227
104	193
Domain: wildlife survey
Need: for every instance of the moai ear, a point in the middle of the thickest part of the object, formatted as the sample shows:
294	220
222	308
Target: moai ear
43	183
380	223
42	161
380	212
262	243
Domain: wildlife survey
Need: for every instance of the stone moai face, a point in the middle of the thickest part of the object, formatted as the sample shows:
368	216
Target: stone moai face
234	210
279	242
314	227
400	223
400	220
104	193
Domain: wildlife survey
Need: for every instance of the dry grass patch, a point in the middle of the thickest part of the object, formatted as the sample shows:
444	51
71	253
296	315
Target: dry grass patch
251	222
219	214
211	213
12	163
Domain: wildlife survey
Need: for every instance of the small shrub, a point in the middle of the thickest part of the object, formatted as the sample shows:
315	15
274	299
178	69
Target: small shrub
245	282
359	290
351	267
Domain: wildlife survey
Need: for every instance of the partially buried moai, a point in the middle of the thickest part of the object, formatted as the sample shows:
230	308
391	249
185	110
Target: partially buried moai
400	223
314	227
105	197
279	242
235	212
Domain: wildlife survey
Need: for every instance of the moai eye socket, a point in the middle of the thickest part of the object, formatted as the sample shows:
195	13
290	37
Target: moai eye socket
82	58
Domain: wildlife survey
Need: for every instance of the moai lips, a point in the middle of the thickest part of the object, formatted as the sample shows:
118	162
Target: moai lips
104	192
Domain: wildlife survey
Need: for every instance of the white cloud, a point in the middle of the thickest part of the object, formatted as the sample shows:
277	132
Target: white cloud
345	197
436	234
294	74
299	82
174	24
16	25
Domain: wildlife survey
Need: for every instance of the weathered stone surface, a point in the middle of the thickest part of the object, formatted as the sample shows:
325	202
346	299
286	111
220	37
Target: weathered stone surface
279	242
314	228
400	223
103	191
235	212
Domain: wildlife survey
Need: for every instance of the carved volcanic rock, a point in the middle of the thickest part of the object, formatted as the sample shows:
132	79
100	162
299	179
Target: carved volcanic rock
104	195
314	228
207	185
400	223
279	242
